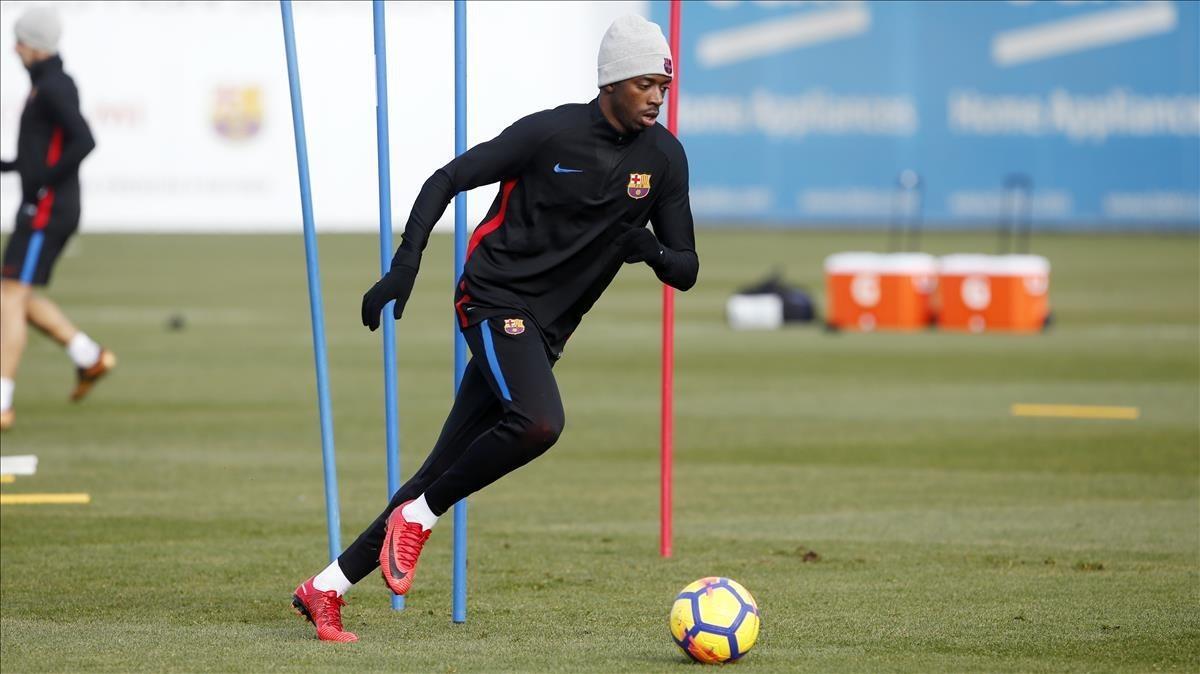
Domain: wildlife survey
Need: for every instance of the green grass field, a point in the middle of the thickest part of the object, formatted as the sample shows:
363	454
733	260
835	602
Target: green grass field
952	536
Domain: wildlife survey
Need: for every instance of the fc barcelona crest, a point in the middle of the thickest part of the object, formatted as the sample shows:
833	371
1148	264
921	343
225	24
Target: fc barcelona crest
639	185
514	326
237	112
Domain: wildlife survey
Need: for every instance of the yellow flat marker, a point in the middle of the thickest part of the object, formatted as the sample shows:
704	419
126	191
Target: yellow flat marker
7	479
44	499
1075	411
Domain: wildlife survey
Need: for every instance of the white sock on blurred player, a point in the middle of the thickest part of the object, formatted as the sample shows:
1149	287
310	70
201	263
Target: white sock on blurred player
332	578
6	394
83	350
418	511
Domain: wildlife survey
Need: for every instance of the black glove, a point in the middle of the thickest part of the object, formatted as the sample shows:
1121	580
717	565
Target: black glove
397	285
639	245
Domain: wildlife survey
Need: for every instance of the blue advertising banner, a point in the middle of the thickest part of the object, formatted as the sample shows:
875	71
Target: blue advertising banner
809	112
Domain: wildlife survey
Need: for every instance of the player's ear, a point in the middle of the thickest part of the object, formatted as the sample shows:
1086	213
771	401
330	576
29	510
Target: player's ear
609	88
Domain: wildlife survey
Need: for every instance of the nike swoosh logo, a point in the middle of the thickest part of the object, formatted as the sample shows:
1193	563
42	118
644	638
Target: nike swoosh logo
396	572
559	169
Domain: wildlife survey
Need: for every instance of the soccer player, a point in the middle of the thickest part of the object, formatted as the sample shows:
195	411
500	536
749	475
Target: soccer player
52	141
578	185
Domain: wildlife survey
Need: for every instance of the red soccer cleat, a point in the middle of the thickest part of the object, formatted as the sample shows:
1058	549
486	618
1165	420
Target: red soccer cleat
323	609
401	547
86	377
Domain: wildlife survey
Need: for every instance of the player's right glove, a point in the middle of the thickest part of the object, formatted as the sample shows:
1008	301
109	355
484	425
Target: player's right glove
397	285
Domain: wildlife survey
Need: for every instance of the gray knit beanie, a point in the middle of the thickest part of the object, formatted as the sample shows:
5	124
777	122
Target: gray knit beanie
633	46
39	28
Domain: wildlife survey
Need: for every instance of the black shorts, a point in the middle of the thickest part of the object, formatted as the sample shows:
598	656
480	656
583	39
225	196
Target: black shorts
31	252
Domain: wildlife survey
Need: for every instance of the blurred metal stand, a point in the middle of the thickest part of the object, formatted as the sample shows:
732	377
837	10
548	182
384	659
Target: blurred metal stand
908	208
1016	213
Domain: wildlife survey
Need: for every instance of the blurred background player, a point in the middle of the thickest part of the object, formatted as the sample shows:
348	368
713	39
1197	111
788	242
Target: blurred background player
578	185
52	141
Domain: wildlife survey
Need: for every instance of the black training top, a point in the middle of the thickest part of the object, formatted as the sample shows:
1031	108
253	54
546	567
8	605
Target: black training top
53	137
570	185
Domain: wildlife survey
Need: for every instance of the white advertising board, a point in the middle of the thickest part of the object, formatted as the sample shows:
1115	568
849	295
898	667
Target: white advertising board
190	108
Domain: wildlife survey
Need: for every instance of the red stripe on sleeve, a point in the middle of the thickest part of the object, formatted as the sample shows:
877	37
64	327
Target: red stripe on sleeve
493	224
54	153
46	201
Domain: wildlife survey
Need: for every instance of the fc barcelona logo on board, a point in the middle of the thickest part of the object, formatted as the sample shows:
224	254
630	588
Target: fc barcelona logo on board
639	185
237	112
514	326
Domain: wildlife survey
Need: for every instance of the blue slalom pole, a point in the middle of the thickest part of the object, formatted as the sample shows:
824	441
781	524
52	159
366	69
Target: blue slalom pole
316	309
385	258
460	257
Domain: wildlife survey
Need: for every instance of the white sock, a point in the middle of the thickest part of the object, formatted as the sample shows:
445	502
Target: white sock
6	394
332	578
418	511
83	350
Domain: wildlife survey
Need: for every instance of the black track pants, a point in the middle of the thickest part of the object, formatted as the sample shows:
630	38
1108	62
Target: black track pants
507	413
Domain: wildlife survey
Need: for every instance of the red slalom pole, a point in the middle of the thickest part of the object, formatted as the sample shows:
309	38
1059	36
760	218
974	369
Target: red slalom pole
667	436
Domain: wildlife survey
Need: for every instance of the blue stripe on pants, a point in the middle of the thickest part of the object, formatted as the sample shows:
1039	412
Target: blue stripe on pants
491	359
32	253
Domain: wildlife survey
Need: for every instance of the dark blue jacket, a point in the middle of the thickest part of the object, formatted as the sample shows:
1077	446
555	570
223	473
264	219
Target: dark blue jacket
570	184
53	137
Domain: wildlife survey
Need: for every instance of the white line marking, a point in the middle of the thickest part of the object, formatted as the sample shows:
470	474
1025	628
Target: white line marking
779	35
1097	29
24	464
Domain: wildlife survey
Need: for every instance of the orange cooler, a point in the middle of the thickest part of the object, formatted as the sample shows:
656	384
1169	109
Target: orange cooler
994	292
873	291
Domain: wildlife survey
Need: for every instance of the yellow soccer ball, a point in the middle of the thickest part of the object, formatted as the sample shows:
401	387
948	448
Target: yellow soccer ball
714	620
